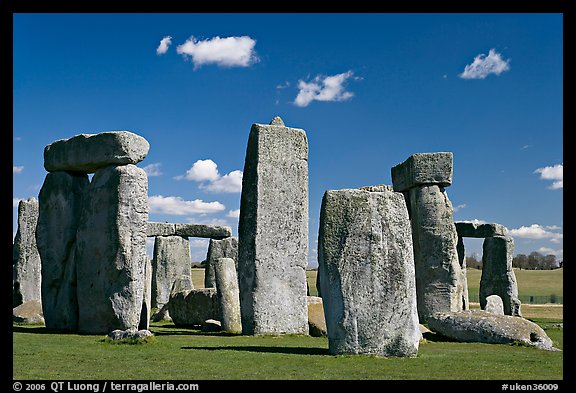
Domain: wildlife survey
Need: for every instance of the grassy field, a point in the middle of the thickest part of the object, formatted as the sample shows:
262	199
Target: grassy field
186	354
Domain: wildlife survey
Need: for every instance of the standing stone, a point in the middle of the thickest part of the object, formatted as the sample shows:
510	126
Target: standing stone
273	231
60	207
147	301
89	152
171	260
225	248
498	277
464	279
494	305
191	307
111	250
366	262
228	294
422	178
26	265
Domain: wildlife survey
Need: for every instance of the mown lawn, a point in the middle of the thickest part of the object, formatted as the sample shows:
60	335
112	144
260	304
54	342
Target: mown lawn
186	354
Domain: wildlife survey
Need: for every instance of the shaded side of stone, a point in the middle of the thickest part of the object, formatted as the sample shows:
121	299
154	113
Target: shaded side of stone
498	277
472	229
193	307
422	169
60	207
171	259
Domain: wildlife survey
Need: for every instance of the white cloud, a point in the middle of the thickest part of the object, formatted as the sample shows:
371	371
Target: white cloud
459	207
202	170
207	171
15	202
164	44
199	243
323	88
231	182
234	213
153	169
554	173
17	169
283	85
483	65
547	251
178	207
475	221
224	52
536	231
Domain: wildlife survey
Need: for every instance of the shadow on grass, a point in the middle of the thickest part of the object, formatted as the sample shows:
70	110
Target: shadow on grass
38	330
182	332
263	349
434	337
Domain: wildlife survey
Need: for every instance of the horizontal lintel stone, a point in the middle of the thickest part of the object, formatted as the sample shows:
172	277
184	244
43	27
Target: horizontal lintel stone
472	229
423	169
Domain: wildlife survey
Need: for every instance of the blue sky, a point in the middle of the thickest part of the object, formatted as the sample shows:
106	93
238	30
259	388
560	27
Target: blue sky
369	90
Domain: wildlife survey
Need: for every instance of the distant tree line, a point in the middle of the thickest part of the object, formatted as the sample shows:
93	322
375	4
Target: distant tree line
534	261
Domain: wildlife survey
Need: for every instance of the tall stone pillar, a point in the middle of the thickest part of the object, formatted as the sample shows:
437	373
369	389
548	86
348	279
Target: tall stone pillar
273	231
228	294
224	248
60	207
26	266
423	178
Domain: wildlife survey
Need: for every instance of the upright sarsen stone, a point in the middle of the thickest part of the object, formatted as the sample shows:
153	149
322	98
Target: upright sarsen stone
366	263
170	261
228	294
225	248
60	207
111	250
273	231
26	266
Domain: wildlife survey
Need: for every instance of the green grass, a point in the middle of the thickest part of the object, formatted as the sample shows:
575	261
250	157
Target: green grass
185	354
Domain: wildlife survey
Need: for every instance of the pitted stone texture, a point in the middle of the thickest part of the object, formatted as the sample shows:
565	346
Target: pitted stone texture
160	229
193	307
132	334
60	208
378	188
273	231
498	277
439	283
171	259
26	265
494	305
473	229
367	280
485	327
422	169
111	250
87	153
225	248
228	294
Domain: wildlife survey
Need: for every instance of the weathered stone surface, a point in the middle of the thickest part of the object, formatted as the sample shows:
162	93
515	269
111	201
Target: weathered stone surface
439	283
225	248
228	294
160	229
498	277
60	207
133	334
145	313
26	265
200	230
494	305
422	169
89	152
485	327
193	307
111	250
474	229
378	188
171	259
367	280
273	231
316	320
29	312
211	325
